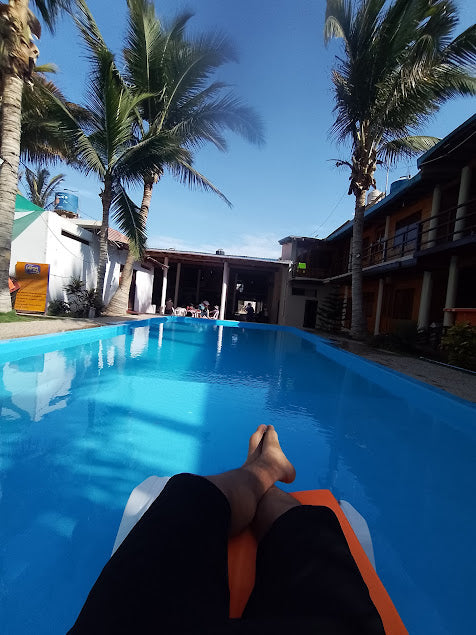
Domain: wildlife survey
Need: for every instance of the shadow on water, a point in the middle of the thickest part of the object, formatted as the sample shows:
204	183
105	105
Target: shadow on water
82	426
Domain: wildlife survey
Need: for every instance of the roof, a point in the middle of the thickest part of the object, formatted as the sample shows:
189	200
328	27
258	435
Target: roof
112	234
411	185
116	237
454	140
219	258
290	239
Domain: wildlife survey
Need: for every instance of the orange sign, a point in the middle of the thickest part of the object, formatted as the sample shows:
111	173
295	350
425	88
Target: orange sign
33	280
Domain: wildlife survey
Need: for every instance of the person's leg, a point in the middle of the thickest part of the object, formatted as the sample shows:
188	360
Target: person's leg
304	568
171	570
266	463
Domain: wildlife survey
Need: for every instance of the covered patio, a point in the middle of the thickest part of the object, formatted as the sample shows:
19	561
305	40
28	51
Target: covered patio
228	282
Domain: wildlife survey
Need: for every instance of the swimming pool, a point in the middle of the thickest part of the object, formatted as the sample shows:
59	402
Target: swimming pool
83	420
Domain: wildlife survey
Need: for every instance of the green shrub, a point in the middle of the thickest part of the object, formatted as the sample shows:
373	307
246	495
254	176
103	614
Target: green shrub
58	307
81	300
459	343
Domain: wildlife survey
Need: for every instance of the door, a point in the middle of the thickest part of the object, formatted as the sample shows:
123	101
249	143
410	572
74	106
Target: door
310	314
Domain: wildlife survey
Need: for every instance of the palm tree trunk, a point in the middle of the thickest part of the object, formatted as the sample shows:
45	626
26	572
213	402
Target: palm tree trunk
10	153
119	301
106	197
358	329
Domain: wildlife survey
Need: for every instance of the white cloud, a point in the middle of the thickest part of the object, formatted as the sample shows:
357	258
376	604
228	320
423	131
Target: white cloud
256	245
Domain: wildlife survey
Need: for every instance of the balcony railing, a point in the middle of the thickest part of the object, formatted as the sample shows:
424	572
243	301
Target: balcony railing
442	229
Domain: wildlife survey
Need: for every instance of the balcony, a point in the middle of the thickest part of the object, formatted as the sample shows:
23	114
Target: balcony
439	231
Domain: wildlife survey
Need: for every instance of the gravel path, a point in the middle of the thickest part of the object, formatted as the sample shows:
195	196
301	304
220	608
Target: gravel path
456	382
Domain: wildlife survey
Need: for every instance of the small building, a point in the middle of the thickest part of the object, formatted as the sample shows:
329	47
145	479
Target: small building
70	246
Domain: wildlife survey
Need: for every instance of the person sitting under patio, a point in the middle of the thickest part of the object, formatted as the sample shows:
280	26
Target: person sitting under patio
170	574
214	314
203	306
169	307
250	312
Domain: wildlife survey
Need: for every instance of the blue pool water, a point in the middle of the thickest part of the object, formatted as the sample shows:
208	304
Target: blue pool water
83	420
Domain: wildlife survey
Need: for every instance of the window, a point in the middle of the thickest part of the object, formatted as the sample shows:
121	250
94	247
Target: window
406	232
403	304
74	237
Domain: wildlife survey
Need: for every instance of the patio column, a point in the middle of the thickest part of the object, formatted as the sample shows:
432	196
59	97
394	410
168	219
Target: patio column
177	282
425	299
378	312
435	209
282	296
463	197
448	318
165	272
224	287
197	293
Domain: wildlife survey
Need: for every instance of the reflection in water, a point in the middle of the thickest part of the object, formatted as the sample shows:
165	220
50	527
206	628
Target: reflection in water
38	385
219	340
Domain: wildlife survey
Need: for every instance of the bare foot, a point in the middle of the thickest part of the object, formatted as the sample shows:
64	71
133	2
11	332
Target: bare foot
267	454
256	444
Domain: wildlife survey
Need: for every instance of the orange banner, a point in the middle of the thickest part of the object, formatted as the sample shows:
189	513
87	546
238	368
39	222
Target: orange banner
33	280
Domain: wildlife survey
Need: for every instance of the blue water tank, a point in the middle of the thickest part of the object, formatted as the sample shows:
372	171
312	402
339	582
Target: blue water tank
398	185
66	201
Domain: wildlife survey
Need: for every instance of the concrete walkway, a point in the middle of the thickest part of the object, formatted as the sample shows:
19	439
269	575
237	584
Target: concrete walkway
458	382
454	381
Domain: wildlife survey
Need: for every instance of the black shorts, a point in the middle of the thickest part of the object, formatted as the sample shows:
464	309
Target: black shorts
170	573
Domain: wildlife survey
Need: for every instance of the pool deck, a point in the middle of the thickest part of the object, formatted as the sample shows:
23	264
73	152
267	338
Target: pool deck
457	382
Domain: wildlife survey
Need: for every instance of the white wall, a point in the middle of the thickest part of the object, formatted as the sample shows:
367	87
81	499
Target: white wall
295	304
43	242
68	258
287	251
144	284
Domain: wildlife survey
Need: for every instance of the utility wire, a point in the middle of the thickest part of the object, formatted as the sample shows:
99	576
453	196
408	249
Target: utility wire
329	216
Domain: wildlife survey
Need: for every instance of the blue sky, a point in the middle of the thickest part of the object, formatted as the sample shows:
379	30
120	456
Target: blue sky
288	186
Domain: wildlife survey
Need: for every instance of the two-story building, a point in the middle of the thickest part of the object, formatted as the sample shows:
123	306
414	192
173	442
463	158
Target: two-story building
419	247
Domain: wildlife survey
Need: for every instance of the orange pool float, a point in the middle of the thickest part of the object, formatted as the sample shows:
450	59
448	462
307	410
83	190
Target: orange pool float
242	565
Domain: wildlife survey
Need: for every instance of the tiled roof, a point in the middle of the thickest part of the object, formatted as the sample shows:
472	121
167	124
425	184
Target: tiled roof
116	237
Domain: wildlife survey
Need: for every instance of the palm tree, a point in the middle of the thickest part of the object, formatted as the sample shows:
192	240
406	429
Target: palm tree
18	55
40	187
184	102
108	145
399	64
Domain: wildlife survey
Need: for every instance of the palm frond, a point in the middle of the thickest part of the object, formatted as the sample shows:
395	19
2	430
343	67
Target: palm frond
391	151
130	220
185	173
49	10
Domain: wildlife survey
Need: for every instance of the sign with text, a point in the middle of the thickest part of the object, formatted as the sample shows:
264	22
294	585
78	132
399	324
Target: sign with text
33	280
